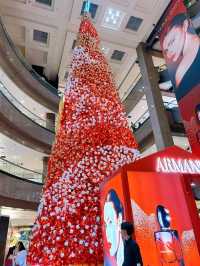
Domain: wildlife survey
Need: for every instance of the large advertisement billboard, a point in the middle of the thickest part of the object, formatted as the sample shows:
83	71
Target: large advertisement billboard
161	195
162	219
181	49
115	209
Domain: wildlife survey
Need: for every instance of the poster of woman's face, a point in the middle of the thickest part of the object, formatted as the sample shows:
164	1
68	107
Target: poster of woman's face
174	42
181	49
113	215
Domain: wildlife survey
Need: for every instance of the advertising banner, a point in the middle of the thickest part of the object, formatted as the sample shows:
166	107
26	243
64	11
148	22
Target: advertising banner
181	49
162	219
114	199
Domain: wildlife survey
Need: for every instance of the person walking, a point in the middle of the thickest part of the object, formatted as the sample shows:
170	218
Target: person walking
132	255
20	259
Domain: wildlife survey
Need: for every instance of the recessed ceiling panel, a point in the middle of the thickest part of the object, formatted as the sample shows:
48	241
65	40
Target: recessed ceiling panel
40	36
134	23
44	2
117	55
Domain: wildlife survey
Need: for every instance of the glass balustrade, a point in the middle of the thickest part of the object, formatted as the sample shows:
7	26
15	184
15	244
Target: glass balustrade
4	34
145	116
20	171
21	107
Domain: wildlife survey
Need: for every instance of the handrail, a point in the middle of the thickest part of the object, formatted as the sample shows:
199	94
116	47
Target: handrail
6	92
21	107
133	84
25	63
136	81
24	168
145	116
19	171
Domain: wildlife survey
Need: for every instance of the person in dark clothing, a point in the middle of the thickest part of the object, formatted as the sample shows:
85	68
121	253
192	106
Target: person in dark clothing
132	255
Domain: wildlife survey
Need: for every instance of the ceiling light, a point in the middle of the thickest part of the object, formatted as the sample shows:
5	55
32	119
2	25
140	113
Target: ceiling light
193	184
105	50
117	13
113	18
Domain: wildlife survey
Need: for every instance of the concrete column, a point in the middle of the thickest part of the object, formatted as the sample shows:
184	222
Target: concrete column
45	167
50	121
4	224
159	122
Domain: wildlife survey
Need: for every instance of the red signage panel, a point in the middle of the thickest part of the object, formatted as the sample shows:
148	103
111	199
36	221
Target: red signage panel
162	219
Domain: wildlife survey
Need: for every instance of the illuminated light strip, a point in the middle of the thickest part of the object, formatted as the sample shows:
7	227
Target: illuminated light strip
171	165
87	6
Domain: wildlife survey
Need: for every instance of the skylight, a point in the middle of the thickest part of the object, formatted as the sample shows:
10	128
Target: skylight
92	9
113	18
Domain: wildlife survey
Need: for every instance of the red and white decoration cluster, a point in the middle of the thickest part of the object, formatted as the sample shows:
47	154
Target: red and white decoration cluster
92	142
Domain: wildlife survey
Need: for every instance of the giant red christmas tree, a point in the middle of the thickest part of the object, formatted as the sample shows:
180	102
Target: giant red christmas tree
92	142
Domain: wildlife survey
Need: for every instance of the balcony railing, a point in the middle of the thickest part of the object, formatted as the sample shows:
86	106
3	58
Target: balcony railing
23	61
21	107
19	171
133	84
145	116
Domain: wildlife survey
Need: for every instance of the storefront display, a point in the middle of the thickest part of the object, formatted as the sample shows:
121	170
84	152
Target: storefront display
164	206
